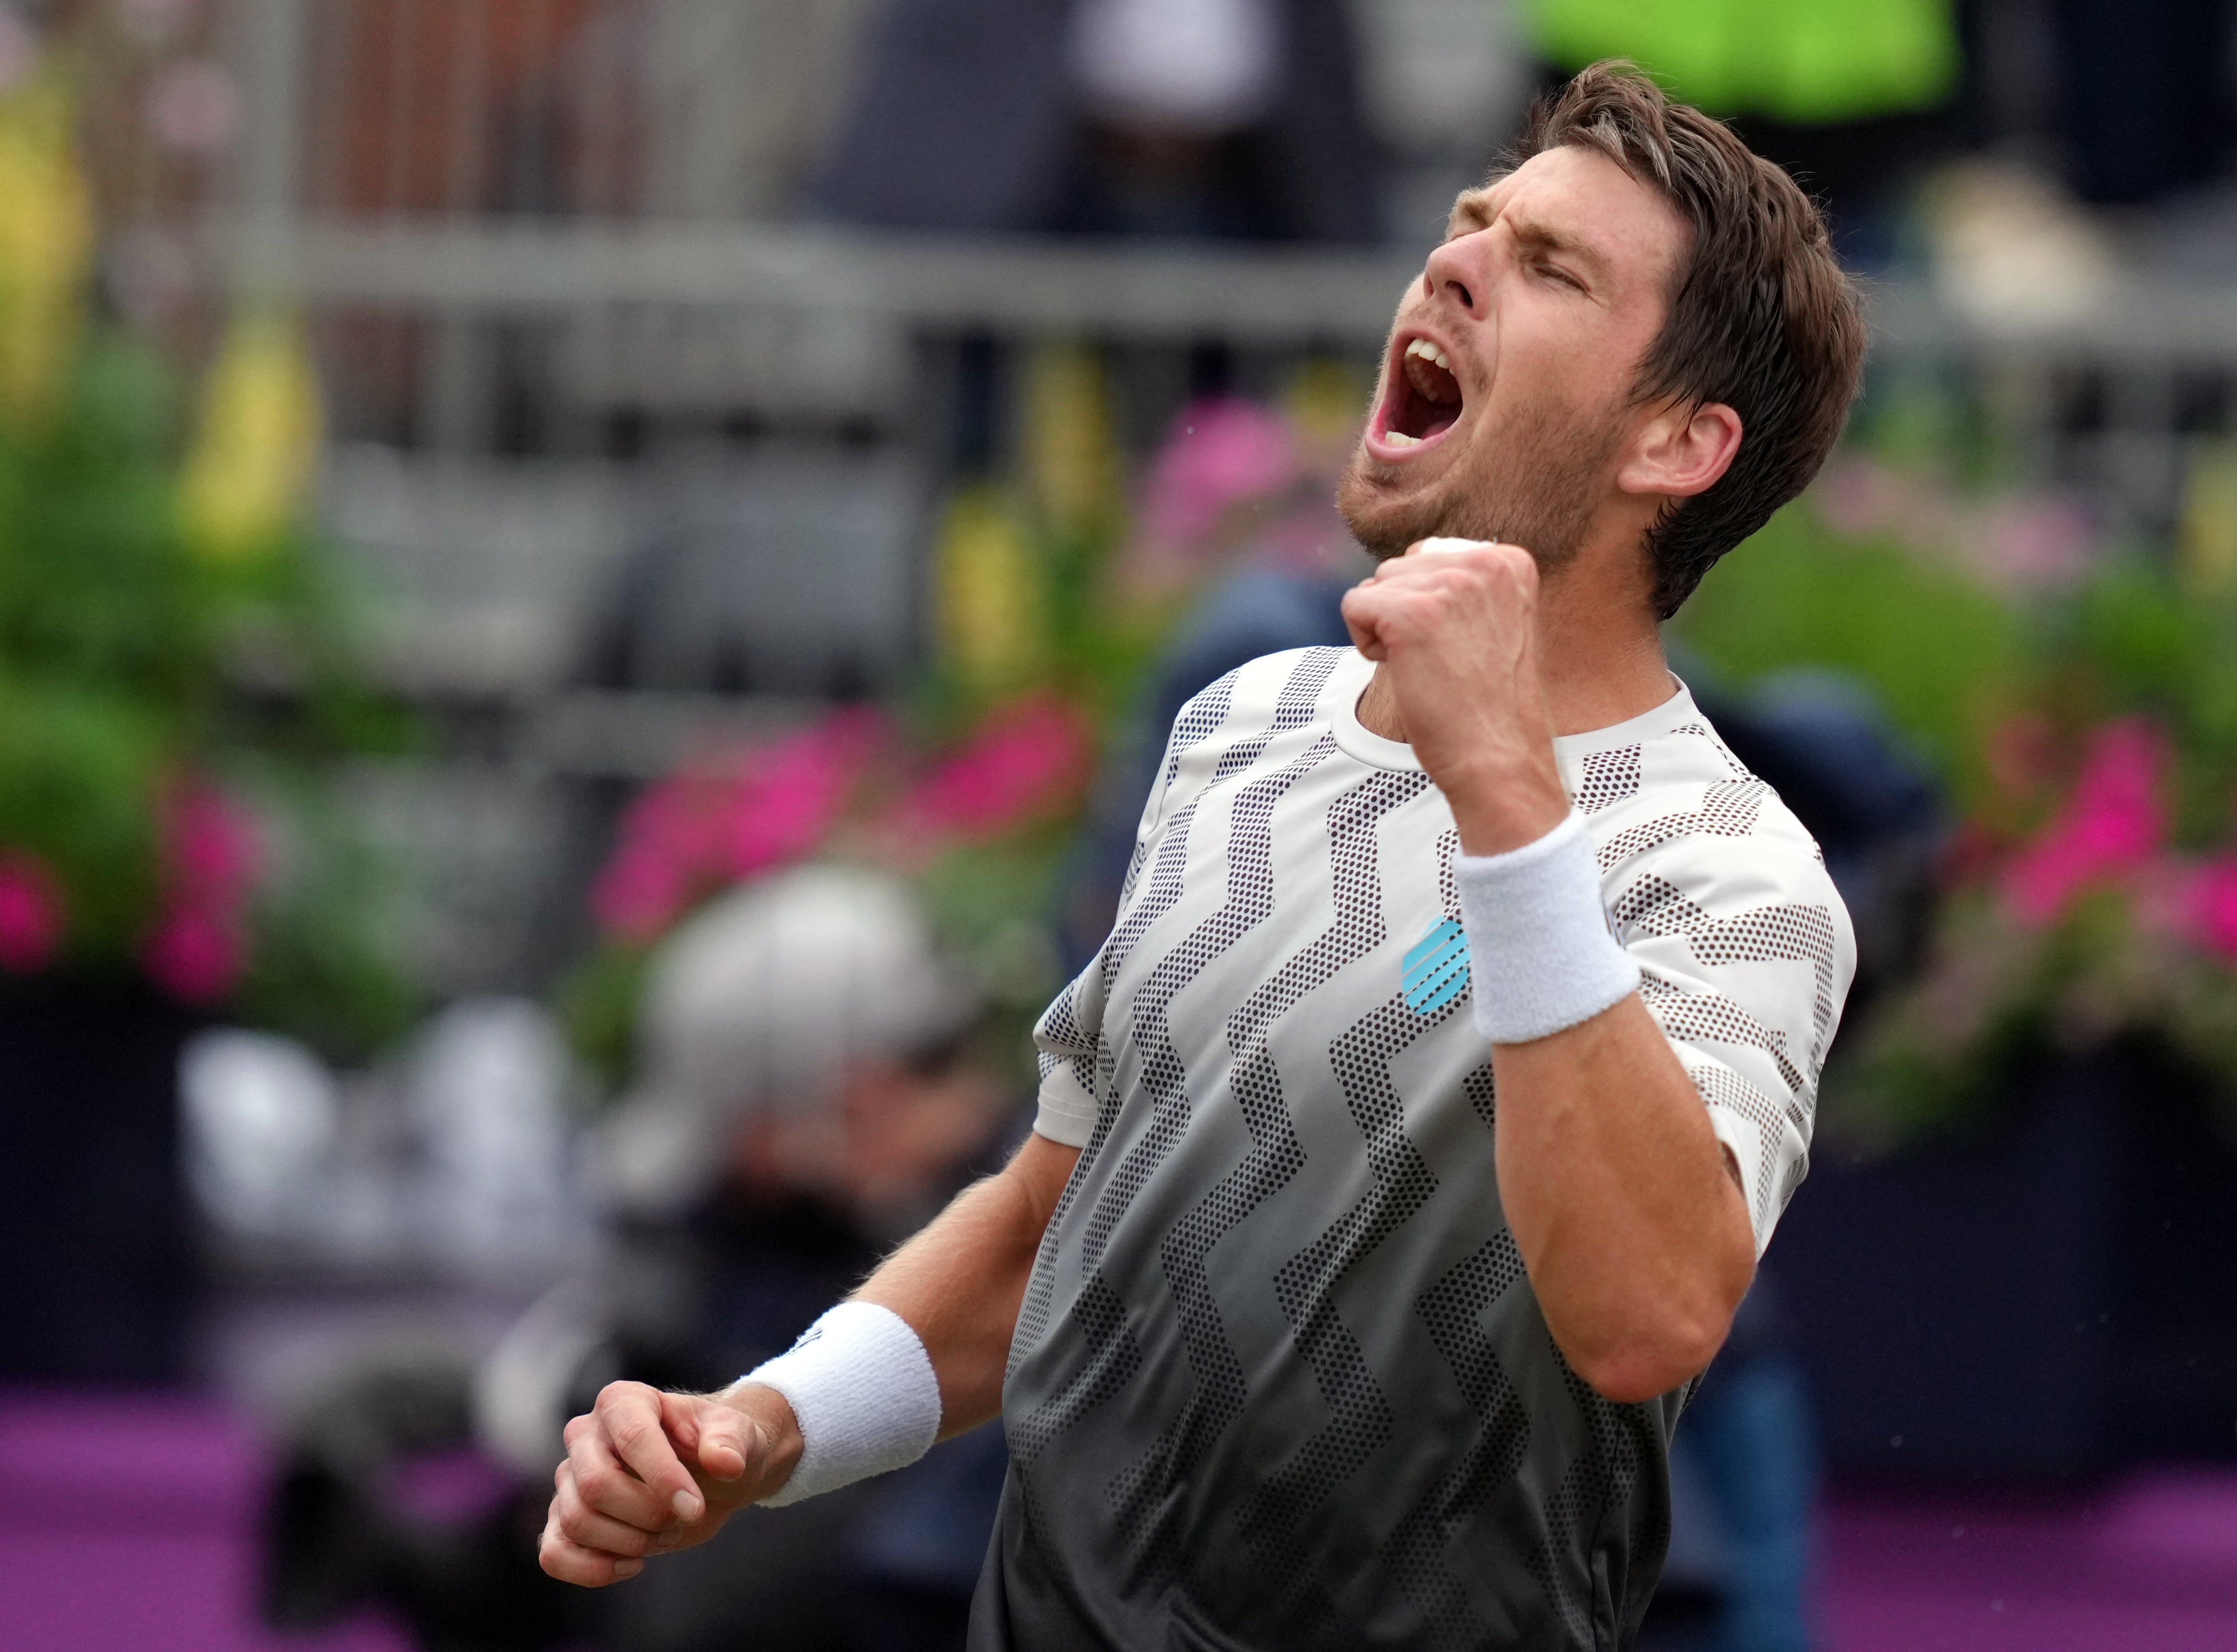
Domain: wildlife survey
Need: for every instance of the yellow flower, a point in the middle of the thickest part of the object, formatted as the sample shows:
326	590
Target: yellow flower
257	448
46	243
993	594
1071	460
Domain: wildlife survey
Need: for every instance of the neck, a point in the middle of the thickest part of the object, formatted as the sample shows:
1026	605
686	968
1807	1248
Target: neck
1600	656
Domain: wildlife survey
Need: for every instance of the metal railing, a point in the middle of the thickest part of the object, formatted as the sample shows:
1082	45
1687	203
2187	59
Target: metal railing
514	232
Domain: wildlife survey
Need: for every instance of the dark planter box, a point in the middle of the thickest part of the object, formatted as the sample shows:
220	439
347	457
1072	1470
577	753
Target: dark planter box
2037	1303
98	1273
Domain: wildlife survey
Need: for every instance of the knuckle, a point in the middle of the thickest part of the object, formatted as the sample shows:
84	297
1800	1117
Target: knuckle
615	1397
595	1486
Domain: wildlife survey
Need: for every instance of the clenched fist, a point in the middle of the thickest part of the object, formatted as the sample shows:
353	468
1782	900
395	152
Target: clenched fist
1454	626
648	1473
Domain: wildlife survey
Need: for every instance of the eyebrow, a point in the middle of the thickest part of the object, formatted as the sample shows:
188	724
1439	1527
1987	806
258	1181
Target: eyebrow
1476	209
1544	237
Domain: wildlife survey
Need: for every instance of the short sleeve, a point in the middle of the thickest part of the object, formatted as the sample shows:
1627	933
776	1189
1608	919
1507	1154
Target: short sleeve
1745	954
1068	1038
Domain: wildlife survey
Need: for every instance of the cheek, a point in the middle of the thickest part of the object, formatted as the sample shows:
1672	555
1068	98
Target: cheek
1559	355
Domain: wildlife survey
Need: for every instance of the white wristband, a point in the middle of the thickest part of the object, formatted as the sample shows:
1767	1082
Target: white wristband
1540	952
862	1388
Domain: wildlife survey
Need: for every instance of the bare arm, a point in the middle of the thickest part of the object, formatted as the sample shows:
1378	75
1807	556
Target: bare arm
1633	1231
647	1472
1623	1203
960	1282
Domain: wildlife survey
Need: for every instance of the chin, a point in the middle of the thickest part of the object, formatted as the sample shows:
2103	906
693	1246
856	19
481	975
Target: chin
1386	510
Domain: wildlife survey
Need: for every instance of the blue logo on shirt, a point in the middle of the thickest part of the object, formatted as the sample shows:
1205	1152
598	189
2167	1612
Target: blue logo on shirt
1438	969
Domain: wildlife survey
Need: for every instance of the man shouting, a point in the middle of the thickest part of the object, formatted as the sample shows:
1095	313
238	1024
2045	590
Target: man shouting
1403	1155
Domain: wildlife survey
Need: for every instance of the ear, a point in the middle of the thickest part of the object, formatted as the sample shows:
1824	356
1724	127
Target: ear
1680	451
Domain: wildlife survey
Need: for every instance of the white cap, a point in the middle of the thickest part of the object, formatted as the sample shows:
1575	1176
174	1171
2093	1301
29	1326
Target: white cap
764	1000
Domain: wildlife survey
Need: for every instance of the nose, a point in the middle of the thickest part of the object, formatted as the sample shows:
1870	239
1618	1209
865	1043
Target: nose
1460	271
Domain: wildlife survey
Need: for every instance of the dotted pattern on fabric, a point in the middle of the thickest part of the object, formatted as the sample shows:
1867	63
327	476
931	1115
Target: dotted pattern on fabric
1060	1034
1607	777
1059	1031
1786	932
1275	1154
1113	1359
1274	1521
1721	1087
1619	1439
1728	808
1294	707
1250	901
1482	1095
1199	720
1718	1020
1709	736
1453	1311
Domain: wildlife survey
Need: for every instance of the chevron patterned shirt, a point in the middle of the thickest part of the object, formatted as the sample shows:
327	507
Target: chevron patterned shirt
1279	1379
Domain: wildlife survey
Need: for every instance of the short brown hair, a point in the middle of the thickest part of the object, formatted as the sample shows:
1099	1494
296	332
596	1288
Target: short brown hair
1762	318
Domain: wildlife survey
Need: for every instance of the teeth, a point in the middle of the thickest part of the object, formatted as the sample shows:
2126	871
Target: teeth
1429	351
1400	439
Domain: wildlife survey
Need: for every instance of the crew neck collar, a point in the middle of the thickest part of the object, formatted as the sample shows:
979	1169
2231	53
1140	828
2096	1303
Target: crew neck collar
1359	741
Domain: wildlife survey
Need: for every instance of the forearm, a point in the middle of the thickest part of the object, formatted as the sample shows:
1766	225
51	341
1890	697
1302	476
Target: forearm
960	1282
1633	1229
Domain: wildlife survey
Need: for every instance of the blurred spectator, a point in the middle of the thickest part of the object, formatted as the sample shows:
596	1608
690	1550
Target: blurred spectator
1224	118
806	1099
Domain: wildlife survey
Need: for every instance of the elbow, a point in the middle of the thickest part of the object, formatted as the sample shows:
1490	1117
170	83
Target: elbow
1648	1361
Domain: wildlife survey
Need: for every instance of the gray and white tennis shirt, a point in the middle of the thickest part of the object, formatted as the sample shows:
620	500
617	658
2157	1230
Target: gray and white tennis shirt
1280	1379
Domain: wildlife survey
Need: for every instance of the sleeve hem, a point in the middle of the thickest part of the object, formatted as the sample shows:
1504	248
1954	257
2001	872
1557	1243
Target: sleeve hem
1735	1133
1067	1115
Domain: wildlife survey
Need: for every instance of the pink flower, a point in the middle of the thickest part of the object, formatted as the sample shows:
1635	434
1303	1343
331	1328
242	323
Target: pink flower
196	954
32	912
2036	542
665	852
211	859
1219	453
781	811
1028	760
2112	824
2212	906
701	830
211	856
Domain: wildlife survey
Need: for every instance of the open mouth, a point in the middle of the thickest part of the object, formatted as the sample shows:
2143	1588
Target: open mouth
1422	400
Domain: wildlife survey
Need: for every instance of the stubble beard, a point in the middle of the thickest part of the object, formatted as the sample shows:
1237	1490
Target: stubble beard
1538	487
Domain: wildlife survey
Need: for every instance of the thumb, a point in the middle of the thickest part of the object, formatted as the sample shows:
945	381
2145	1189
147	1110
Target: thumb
1359	618
725	1434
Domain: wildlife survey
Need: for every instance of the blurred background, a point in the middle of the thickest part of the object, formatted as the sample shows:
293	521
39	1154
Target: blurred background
589	593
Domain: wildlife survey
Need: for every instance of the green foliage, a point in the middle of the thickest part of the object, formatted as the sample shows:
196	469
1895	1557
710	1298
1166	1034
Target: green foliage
129	665
1937	648
2133	641
597	1003
2008	691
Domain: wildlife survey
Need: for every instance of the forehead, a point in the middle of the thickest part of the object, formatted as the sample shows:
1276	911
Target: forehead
1577	196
